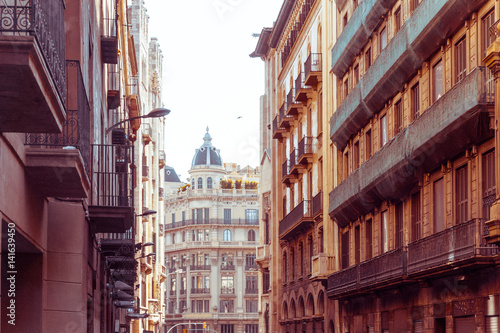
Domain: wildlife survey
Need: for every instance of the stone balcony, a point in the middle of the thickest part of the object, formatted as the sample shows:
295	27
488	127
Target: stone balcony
430	140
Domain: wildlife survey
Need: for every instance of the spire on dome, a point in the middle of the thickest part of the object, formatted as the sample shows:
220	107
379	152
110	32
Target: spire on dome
207	138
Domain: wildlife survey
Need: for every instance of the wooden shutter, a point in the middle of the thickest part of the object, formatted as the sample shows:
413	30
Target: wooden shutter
464	324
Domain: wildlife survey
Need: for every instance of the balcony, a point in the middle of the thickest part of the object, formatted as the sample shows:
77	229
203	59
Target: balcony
147	133
363	22
302	91
297	221
147	265
320	266
200	267
251	267
32	53
161	159
251	291
293	108
305	152
287	177
145	173
59	164
430	24
317	206
458	246
313	69
435	137
295	166
114	97
227	291
109	42
200	290
117	242
368	275
263	254
112	195
284	119
163	274
227	267
278	131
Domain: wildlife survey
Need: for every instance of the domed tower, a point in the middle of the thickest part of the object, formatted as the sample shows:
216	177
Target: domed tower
207	168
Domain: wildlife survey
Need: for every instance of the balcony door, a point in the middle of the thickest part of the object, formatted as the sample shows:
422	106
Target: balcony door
438	201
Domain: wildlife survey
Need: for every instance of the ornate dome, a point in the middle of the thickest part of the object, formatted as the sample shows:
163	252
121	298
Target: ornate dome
207	155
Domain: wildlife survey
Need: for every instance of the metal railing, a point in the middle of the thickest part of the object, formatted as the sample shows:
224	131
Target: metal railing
312	64
200	267
251	291
317	203
76	129
305	146
45	21
216	221
285	169
293	159
299	83
303	209
227	267
227	290
250	267
290	98
200	290
112	175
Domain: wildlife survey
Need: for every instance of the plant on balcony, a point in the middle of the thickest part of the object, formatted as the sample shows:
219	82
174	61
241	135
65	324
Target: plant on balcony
226	184
183	188
238	183
251	185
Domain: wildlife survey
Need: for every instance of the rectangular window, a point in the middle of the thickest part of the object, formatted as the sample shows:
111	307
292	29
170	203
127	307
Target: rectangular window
399	225
173	217
199	215
415	102
227	285
488	171
368	144
251	328
398	116
486	40
251	284
437	81
346	164
227	215
346	88
383	39
227	328
183	216
397	20
252	216
368	59
251	306
383	130
345	249
250	260
438	205
368	239
460	60
206	215
356	75
414	4
416	217
320	113
384	231
356	155
462	195
265	281
357	244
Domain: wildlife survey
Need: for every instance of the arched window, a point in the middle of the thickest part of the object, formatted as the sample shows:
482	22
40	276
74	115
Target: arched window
209	182
227	235
192	184
251	236
200	182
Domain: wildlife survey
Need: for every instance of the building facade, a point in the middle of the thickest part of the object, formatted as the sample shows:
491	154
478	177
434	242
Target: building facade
68	206
295	252
415	173
211	231
150	141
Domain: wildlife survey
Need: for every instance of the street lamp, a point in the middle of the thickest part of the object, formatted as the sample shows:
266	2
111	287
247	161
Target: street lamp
156	113
147	212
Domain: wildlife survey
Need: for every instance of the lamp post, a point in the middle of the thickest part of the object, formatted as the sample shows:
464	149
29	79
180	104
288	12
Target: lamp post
156	113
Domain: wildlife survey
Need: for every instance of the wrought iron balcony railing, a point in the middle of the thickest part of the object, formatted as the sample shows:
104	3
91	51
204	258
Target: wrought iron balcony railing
76	128
201	267
45	21
298	219
112	175
227	267
200	290
312	68
227	290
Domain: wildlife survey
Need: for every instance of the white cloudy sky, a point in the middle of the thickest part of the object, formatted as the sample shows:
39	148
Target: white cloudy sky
209	78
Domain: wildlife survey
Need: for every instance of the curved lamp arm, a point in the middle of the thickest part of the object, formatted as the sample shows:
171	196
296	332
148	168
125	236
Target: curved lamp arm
156	113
